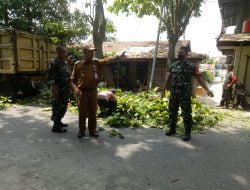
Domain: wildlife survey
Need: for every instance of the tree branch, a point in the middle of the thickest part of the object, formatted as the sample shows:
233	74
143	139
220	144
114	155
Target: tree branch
186	21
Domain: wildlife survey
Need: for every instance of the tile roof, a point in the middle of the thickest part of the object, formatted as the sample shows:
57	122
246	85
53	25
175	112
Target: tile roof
139	49
144	49
233	39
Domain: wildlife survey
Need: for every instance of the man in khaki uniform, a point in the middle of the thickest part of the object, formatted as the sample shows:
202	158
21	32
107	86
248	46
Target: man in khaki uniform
84	80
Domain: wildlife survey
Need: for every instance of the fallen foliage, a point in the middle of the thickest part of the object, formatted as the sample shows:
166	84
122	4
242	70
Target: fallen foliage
148	110
5	102
145	109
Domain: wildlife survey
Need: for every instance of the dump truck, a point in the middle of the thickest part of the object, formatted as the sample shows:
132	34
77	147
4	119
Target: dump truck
24	59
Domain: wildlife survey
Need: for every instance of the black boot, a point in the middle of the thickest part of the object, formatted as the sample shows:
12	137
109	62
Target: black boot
187	135
94	134
63	124
57	128
172	131
80	134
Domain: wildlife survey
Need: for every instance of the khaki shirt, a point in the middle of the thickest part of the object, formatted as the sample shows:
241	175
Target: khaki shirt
85	74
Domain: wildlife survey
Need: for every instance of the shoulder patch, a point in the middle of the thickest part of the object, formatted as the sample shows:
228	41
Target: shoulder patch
173	64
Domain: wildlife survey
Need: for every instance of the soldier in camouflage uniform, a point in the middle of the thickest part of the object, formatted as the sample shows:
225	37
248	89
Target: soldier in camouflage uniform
240	95
180	85
59	78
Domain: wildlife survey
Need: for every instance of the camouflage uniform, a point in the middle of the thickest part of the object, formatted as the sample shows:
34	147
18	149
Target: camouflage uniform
240	95
180	93
59	74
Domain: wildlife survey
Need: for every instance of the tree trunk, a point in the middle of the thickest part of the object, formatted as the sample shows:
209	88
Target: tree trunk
99	29
99	26
172	40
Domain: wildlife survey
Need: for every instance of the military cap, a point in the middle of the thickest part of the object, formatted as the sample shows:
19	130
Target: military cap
88	48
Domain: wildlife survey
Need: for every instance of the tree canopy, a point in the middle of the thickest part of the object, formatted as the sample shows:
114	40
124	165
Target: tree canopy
51	18
177	14
75	29
21	14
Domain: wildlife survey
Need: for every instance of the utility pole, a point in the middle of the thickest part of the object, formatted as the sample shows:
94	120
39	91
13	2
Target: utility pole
157	45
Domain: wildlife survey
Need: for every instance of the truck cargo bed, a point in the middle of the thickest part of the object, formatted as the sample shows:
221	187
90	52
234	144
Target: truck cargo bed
21	52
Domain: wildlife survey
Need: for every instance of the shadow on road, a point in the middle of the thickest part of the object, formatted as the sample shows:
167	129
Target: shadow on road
33	156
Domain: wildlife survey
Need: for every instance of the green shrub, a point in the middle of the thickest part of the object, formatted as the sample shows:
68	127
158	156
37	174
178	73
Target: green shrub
76	53
208	76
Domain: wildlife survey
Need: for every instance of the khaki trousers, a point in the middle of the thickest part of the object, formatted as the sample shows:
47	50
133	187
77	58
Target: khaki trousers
87	107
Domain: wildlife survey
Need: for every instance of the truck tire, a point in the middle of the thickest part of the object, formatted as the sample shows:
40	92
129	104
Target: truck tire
6	88
27	88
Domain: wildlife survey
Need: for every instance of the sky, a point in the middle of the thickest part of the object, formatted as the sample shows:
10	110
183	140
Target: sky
201	31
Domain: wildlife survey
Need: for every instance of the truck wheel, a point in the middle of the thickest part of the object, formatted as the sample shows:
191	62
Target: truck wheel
27	88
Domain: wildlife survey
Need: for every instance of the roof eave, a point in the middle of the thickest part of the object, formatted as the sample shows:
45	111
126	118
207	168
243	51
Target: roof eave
232	43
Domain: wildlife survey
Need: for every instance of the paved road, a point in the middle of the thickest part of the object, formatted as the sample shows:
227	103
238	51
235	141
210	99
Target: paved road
216	87
32	157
